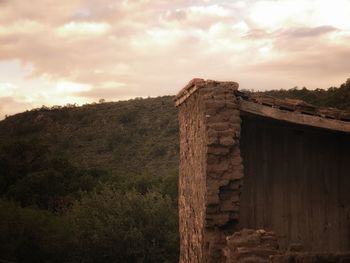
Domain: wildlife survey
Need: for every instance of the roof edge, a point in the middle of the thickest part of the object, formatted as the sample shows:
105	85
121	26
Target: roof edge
295	117
296	106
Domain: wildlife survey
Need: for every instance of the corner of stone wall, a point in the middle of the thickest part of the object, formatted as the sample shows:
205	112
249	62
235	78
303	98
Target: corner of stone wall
224	171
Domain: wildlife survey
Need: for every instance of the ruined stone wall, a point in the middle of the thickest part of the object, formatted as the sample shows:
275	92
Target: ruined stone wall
290	161
210	169
251	246
260	246
307	257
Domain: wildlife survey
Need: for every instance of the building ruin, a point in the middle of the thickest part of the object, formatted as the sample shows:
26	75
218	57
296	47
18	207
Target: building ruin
280	168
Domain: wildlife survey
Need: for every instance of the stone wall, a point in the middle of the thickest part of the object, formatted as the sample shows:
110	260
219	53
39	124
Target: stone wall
211	168
211	179
192	180
251	246
297	257
260	246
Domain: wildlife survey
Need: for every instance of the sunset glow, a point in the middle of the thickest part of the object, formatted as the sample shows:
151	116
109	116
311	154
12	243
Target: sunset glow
58	52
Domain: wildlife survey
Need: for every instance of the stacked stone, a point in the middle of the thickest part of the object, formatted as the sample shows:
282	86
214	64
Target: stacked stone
224	171
192	186
251	246
210	118
211	174
298	257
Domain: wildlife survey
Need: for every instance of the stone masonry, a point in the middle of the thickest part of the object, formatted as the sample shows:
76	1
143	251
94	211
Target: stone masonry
211	175
209	151
260	246
251	246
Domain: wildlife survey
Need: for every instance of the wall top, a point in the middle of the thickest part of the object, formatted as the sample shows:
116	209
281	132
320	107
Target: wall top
197	83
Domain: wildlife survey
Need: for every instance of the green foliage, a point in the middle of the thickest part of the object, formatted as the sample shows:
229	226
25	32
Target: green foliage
31	175
127	221
32	235
128	137
333	97
53	158
117	226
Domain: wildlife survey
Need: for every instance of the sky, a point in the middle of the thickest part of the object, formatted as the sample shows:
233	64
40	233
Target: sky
79	51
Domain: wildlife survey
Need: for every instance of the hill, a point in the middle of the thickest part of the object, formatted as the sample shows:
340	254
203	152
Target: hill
128	138
76	180
111	136
333	97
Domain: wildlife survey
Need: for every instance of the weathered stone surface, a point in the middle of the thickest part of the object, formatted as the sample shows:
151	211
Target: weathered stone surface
219	126
235	174
211	116
212	209
229	205
228	132
250	245
211	176
218	150
212	199
247	245
215	104
192	189
218	168
219	219
232	185
311	258
237	161
234	118
227	141
232	196
231	105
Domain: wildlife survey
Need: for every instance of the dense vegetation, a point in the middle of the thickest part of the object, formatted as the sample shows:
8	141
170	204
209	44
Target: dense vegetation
332	97
98	183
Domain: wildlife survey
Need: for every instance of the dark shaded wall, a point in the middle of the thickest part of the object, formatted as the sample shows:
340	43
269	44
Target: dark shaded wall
296	183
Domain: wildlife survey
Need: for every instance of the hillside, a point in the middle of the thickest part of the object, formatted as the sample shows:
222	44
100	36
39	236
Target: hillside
99	182
111	136
78	173
332	97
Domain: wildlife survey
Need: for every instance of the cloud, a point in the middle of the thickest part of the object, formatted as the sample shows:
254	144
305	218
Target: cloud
74	29
111	94
22	27
320	63
10	106
79	51
309	31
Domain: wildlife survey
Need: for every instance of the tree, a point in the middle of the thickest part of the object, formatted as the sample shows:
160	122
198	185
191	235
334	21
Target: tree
117	226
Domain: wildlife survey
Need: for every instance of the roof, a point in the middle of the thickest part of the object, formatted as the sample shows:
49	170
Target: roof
295	111
289	110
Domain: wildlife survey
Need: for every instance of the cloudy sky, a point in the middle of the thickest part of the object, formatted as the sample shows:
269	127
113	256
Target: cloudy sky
78	51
